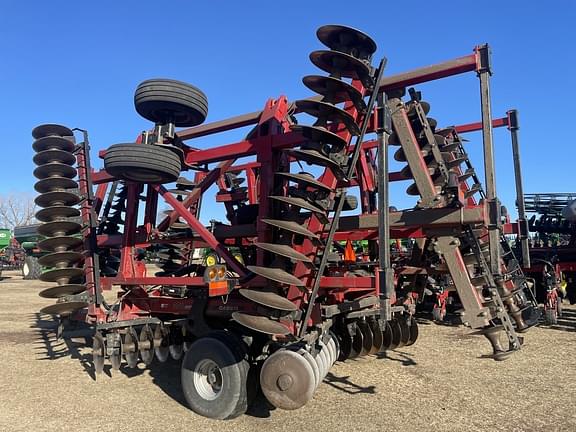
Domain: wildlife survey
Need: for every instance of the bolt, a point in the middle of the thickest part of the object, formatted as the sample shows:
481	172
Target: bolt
284	382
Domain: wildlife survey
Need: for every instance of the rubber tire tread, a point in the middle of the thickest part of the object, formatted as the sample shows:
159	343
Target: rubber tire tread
34	268
159	160
237	376
171	92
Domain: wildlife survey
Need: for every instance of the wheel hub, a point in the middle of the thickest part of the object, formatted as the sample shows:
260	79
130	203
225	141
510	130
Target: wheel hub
208	379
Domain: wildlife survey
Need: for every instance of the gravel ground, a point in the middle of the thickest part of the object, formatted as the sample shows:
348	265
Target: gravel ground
441	383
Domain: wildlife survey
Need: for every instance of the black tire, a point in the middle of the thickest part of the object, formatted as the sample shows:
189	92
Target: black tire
142	163
438	315
228	397
170	101
551	316
31	270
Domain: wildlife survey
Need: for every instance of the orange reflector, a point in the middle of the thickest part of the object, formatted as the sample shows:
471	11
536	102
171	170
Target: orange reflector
217	288
349	255
222	272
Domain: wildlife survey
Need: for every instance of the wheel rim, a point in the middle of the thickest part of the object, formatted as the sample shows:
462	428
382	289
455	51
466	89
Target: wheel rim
207	378
25	269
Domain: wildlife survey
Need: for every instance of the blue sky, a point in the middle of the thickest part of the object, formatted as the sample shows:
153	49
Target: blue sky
78	63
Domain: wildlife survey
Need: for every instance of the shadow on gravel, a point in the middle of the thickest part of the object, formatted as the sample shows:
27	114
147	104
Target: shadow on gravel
567	322
403	357
49	347
344	384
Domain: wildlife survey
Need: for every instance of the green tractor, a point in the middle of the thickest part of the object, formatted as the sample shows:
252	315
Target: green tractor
28	238
11	254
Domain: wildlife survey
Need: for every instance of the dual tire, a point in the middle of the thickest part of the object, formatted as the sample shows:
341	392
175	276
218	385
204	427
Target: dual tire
160	101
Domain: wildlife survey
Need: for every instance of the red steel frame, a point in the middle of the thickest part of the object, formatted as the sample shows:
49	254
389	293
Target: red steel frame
139	303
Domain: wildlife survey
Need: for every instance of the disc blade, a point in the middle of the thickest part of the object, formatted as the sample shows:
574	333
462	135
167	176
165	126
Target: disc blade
53	143
130	348
276	274
335	62
405	335
339	37
328	113
260	324
287	380
313	157
60	259
367	337
62	275
50	129
59	228
413	331
54	169
334	90
64	308
62	290
61	243
299	202
54	183
51	199
98	353
357	343
49	214
304	179
320	134
377	336
291	226
396	331
268	299
387	337
184	183
47	156
283	250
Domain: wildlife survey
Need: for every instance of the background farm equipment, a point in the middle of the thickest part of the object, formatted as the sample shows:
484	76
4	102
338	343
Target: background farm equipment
288	294
11	254
552	250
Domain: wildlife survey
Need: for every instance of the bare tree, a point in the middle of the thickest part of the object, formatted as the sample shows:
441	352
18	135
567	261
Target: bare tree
16	210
